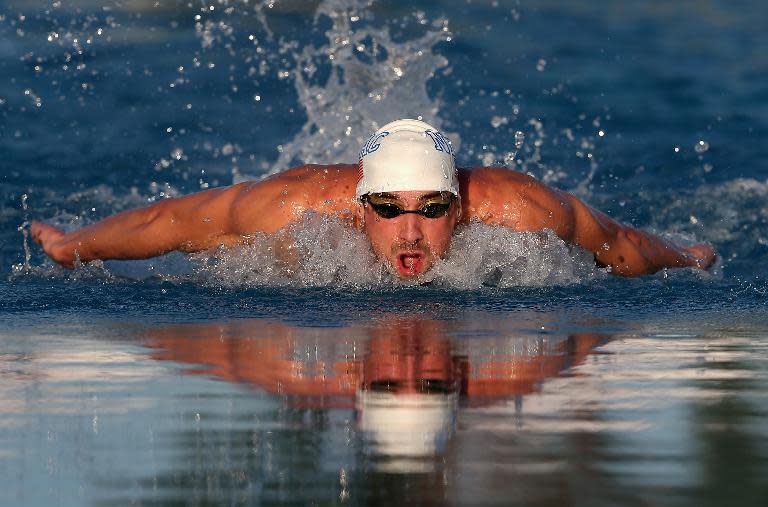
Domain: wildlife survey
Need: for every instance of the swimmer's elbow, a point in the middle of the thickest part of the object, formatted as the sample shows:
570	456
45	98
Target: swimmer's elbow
160	228
191	225
157	217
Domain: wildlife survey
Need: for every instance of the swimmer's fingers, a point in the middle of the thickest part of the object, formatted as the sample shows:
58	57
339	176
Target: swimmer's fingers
703	255
47	237
44	234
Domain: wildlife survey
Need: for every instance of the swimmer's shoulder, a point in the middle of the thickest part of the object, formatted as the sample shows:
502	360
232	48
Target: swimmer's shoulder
502	196
485	188
479	179
304	184
272	203
316	179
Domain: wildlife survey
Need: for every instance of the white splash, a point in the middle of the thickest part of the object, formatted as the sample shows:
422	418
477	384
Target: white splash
317	251
323	251
373	80
497	256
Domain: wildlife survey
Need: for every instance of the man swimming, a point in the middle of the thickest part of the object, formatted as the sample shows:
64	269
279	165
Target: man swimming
405	194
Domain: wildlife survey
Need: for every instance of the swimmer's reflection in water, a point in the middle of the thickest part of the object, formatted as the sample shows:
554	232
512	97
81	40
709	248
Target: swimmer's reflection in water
404	378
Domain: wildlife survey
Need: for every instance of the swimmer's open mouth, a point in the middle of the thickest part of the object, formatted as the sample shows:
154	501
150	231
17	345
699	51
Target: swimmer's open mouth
410	263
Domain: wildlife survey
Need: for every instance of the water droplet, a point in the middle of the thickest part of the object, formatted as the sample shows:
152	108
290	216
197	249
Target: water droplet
519	139
701	147
498	121
541	65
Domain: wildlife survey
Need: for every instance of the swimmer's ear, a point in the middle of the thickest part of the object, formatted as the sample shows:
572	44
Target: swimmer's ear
458	208
358	214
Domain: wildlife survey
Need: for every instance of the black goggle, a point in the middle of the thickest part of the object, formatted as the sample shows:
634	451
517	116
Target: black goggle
421	385
435	209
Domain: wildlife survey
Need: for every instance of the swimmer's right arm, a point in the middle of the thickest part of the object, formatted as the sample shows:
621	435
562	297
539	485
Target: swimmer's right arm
208	219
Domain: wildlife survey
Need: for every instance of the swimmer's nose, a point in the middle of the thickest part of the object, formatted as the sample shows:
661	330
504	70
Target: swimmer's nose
410	228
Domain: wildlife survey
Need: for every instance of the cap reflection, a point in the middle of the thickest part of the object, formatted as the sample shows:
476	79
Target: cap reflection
409	396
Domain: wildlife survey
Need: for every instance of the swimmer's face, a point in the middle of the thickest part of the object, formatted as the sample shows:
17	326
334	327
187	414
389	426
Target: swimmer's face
410	243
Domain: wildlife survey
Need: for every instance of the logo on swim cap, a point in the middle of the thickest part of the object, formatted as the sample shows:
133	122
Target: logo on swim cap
372	144
442	143
407	155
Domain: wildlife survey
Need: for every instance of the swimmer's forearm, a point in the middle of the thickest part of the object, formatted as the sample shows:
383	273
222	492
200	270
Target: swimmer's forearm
174	224
128	235
638	253
630	252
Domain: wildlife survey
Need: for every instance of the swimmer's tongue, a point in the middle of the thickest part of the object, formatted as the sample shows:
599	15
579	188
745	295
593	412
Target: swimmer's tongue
410	262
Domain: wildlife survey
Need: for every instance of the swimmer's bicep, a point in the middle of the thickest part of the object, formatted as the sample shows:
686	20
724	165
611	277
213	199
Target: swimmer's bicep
259	208
190	223
549	208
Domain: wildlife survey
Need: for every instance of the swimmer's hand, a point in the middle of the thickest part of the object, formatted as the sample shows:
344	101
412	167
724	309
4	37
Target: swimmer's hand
50	238
702	255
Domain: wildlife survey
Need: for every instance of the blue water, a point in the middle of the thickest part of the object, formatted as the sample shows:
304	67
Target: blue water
654	112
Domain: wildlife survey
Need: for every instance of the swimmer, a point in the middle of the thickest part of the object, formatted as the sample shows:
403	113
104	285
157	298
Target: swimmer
405	194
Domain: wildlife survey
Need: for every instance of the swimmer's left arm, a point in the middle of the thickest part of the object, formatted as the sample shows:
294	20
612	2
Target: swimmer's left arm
529	205
628	251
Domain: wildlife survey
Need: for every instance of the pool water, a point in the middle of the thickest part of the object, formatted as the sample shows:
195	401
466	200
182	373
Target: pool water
517	374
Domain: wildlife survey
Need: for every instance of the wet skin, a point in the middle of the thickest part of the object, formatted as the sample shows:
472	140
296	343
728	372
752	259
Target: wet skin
410	244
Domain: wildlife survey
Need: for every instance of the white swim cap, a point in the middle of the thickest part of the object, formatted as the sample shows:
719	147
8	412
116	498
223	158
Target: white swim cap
407	155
